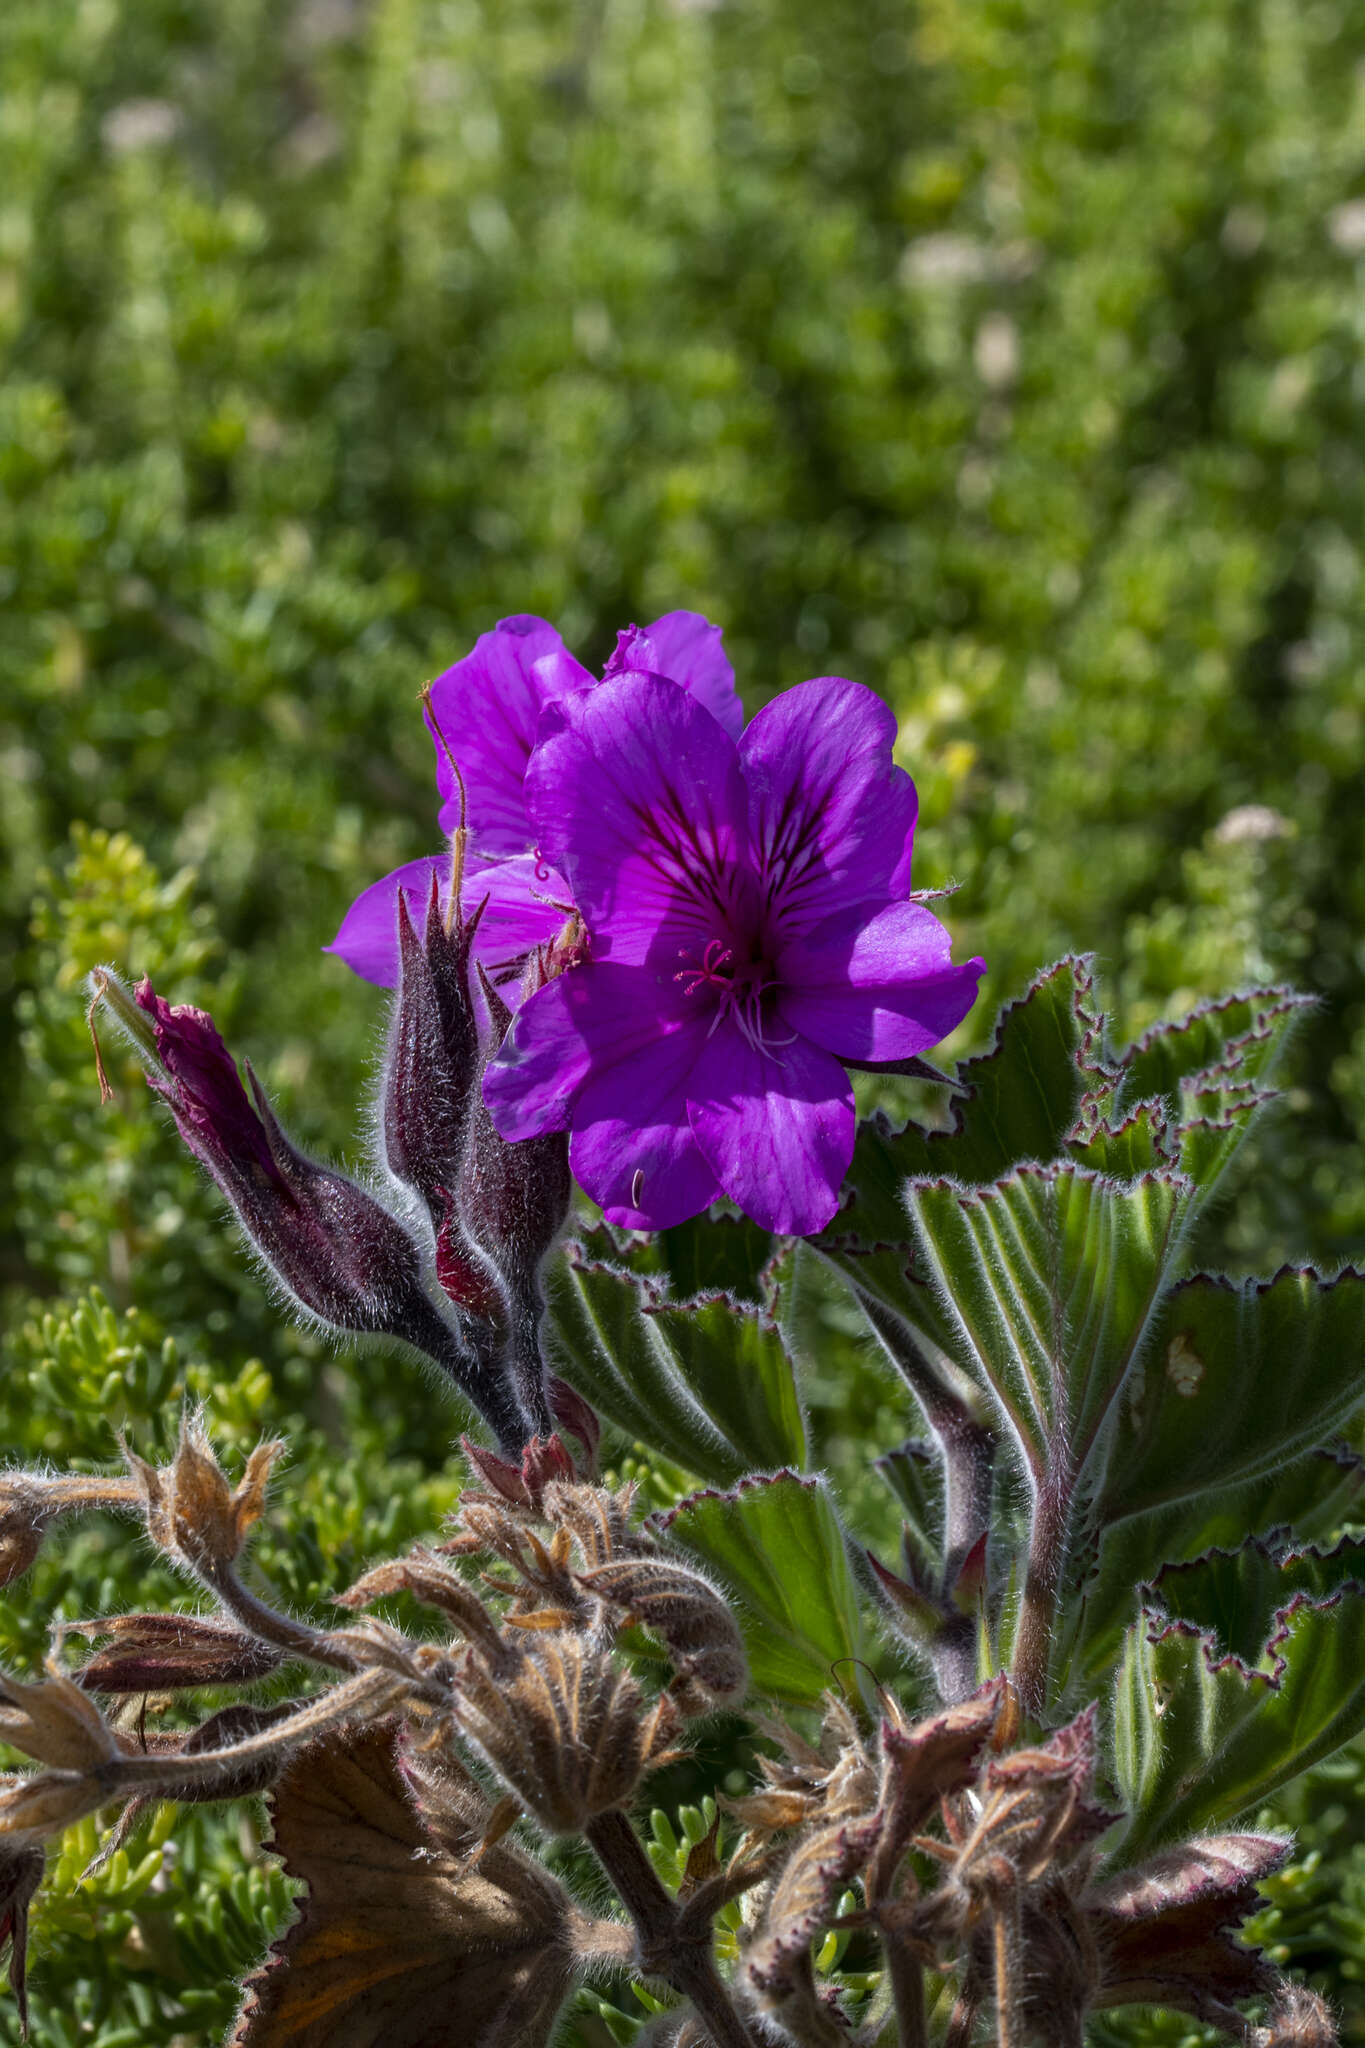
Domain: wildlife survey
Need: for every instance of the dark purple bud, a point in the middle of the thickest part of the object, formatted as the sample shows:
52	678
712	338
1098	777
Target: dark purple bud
511	1201
573	1413
340	1254
433	1057
523	1482
165	1652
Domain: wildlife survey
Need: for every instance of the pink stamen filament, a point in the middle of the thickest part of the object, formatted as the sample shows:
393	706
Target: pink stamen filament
740	996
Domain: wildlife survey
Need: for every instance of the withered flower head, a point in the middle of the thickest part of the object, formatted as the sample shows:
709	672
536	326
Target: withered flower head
564	1727
46	1804
192	1513
1297	2018
55	1722
598	1521
689	1617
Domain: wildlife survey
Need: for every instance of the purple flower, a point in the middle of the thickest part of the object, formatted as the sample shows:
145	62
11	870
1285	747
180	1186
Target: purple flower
486	710
749	927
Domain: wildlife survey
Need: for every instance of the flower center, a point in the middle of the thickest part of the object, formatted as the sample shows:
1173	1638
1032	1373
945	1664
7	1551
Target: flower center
742	990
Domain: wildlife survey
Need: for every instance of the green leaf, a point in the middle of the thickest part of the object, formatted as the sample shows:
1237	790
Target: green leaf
776	1547
709	1384
1203	1735
1215	1122
1140	1143
1052	1276
718	1254
1237	1039
714	1253
1307	1499
1190	1090
1239	1377
1235	1594
1021	1099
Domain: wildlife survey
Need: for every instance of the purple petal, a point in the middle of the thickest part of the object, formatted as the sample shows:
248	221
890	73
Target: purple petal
368	938
636	793
832	818
524	909
689	651
632	1147
487	707
884	992
777	1128
587	1022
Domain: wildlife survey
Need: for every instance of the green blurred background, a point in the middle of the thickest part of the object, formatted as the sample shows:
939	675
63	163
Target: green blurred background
1003	355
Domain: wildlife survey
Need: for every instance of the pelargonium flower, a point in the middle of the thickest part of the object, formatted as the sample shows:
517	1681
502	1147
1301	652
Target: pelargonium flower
483	713
749	927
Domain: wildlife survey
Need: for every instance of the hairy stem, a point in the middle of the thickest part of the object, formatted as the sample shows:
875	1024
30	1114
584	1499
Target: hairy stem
1005	1957
295	1637
966	1449
369	1692
906	1978
669	1942
962	2021
946	1396
968	1453
1042	1579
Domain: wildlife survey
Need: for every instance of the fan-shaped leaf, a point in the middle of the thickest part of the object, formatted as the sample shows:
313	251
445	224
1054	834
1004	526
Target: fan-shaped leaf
1238	1378
1201	1735
397	1945
709	1383
1051	1276
776	1547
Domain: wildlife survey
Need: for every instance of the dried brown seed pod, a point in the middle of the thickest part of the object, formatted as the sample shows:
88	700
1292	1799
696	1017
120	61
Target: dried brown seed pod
191	1511
564	1727
690	1618
55	1722
423	1574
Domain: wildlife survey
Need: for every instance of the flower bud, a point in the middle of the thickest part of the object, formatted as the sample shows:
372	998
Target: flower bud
511	1201
432	1063
543	1460
495	1208
340	1254
689	1617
